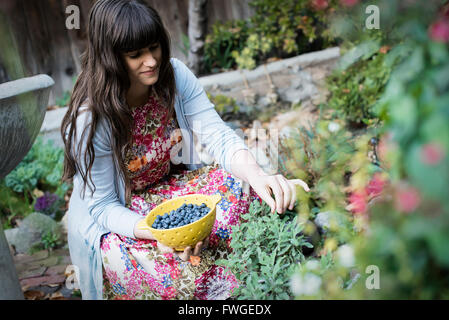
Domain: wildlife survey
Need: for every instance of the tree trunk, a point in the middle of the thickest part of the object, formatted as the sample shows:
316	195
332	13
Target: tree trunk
196	31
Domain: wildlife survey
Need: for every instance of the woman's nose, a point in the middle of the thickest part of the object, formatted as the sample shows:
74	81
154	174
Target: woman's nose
149	61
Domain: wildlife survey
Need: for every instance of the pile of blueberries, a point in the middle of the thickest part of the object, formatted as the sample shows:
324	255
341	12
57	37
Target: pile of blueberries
185	214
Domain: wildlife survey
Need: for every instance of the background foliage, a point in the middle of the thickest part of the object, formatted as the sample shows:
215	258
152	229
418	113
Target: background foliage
278	29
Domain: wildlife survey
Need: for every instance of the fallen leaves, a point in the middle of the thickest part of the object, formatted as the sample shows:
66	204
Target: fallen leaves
39	295
33	295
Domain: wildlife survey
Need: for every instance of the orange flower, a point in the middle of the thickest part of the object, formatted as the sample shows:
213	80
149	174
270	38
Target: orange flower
136	164
384	49
195	260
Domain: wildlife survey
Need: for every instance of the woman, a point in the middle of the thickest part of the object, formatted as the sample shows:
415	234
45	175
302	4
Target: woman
133	111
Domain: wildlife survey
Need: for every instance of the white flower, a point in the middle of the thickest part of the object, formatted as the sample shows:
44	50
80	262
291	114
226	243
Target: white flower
312	284
333	127
312	264
345	255
308	284
150	154
296	284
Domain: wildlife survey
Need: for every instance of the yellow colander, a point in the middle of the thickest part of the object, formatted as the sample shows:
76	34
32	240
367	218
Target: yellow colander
189	235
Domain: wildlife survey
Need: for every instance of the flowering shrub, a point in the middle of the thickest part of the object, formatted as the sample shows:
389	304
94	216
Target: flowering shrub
285	28
280	29
400	209
49	204
355	90
40	171
41	167
222	41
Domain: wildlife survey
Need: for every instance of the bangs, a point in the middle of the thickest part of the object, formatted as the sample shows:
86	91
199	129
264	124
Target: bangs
135	29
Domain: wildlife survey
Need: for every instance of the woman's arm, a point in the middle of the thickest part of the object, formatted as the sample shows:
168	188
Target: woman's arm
224	145
104	205
221	142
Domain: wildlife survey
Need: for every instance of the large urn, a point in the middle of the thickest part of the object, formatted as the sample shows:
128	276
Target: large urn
23	104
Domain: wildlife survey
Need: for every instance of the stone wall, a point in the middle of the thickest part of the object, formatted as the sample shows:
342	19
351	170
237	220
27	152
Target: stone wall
297	80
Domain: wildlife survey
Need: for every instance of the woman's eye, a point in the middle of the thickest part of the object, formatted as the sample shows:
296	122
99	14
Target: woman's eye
137	54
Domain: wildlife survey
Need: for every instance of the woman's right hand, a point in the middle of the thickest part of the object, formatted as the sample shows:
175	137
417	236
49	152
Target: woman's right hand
142	233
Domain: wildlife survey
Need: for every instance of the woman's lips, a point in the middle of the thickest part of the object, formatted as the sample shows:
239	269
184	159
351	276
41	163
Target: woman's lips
149	73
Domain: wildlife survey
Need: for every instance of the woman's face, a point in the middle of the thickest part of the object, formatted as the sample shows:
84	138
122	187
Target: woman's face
143	65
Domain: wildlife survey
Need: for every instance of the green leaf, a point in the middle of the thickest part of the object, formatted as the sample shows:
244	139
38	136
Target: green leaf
363	51
427	177
436	123
412	66
404	115
397	54
438	244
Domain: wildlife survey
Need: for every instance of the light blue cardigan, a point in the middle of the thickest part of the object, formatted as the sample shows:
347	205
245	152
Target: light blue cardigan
104	211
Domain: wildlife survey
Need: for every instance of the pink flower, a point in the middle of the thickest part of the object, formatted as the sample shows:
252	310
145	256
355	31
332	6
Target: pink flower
319	4
349	3
439	31
357	202
147	140
376	185
432	154
407	199
159	131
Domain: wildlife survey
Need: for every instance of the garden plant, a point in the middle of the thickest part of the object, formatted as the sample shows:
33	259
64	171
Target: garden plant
375	224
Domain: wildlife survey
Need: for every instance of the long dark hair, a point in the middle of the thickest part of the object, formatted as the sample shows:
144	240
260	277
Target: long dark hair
115	27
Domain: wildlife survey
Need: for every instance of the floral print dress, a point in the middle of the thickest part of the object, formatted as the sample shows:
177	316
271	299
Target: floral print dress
136	269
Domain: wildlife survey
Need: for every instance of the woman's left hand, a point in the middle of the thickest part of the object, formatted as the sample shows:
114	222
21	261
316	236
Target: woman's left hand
189	251
284	190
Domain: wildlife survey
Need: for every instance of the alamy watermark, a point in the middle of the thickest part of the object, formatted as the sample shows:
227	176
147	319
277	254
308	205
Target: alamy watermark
373	20
73	274
73	20
373	280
